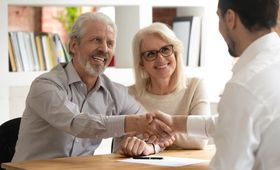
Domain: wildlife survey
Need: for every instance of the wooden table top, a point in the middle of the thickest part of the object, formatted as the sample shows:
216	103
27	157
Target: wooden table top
110	162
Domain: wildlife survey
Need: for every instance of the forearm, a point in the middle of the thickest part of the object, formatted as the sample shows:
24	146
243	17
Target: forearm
183	141
99	127
134	123
179	123
201	126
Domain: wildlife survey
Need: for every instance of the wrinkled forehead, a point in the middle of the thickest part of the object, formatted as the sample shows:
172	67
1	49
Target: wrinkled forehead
98	28
151	41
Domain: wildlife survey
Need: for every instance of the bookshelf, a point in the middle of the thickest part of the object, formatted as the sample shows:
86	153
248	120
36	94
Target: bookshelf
129	17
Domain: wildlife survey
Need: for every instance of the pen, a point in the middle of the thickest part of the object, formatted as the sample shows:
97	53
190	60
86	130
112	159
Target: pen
147	157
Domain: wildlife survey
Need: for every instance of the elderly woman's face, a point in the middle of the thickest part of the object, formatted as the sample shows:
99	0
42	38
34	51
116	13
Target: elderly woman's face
157	57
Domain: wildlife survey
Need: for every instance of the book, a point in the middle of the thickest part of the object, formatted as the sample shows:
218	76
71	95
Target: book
28	52
28	48
51	50
23	52
45	50
65	51
58	49
16	51
34	52
42	64
11	56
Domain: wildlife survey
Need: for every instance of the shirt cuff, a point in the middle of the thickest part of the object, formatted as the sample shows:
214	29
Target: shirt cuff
196	126
115	125
157	148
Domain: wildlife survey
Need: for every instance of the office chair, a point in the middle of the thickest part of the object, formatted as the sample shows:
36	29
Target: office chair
8	138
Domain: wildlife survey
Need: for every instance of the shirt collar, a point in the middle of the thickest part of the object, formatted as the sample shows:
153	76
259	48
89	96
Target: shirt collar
74	77
264	42
72	74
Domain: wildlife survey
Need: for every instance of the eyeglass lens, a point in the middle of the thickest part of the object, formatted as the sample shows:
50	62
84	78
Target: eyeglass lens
165	51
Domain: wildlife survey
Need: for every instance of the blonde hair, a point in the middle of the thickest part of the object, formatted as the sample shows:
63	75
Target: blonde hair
142	79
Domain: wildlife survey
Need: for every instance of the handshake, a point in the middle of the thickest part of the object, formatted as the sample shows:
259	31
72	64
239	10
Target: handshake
160	128
156	127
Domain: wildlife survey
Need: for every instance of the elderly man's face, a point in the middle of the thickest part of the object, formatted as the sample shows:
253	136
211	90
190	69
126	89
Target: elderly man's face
95	49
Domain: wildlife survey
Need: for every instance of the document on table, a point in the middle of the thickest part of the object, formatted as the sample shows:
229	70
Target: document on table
166	161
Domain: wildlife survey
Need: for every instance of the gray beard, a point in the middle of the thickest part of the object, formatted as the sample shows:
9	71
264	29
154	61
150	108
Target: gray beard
93	71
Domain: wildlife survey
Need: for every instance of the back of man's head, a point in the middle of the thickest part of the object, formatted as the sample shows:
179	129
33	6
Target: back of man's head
254	14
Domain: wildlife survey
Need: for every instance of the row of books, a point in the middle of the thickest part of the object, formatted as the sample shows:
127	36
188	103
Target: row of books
29	52
188	30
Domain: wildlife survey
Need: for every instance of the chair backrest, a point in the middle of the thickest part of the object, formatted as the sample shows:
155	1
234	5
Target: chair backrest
8	138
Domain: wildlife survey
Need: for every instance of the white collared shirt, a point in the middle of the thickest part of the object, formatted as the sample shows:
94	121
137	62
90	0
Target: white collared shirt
202	126
247	134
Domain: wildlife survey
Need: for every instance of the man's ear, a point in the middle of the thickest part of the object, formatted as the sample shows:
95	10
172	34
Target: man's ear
73	45
231	19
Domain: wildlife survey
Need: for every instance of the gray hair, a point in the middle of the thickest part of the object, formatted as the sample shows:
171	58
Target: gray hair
142	79
78	28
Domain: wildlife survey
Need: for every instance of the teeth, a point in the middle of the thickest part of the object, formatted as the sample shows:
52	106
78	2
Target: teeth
161	66
99	58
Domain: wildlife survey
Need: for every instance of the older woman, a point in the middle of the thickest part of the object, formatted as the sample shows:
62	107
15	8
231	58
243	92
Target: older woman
162	85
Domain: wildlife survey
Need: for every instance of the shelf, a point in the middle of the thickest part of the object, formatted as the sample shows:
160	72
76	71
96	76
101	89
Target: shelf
160	3
22	78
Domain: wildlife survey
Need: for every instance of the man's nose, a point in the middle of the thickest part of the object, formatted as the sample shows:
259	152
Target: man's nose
103	46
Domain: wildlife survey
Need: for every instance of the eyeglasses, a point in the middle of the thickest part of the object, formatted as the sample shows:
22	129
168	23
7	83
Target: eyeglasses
151	55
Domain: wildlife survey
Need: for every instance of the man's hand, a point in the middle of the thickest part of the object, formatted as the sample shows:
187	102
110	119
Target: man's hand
176	122
146	125
133	146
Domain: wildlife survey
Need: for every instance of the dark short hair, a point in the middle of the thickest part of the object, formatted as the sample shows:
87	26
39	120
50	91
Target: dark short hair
254	14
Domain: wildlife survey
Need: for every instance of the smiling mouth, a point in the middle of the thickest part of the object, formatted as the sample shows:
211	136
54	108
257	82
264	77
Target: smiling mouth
162	66
99	58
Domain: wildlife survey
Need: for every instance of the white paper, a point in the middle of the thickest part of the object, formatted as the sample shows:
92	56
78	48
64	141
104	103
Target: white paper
166	161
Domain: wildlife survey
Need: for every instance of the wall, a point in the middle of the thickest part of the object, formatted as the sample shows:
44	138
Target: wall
50	24
24	18
164	15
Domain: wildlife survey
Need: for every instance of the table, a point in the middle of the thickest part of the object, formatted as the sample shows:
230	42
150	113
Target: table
110	162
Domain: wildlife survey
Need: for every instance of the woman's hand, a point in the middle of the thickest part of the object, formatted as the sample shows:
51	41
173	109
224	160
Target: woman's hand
133	146
167	143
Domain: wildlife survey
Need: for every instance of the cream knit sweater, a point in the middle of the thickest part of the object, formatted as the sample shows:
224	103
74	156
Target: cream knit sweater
192	100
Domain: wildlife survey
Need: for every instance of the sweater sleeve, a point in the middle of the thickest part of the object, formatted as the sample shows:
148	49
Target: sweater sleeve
198	104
